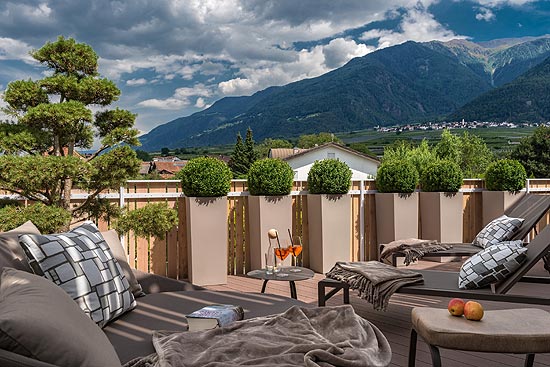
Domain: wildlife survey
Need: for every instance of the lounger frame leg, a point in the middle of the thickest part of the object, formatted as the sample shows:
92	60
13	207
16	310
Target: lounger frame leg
529	360
436	356
323	297
412	348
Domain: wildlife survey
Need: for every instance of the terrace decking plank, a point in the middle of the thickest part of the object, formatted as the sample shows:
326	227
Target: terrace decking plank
395	323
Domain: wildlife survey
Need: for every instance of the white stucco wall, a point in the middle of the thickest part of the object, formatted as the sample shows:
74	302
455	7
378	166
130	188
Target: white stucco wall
362	168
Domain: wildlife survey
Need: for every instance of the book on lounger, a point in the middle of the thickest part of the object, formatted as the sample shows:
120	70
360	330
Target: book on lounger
213	316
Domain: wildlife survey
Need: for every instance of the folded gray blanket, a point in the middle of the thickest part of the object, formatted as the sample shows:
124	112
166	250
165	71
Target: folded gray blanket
375	281
412	248
312	337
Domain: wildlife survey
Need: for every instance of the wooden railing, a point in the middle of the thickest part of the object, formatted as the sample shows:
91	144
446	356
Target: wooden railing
169	256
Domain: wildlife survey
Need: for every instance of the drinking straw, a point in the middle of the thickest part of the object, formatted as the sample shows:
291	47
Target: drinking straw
277	237
290	235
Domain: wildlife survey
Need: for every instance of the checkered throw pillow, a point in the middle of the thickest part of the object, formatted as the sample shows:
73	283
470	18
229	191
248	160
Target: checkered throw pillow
491	265
81	263
498	230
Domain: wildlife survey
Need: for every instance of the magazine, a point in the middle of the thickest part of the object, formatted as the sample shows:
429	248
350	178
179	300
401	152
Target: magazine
213	316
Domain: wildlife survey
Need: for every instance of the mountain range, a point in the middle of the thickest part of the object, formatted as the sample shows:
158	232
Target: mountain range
407	83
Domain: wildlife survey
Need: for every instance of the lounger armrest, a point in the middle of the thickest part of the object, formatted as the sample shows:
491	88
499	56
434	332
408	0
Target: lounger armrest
151	283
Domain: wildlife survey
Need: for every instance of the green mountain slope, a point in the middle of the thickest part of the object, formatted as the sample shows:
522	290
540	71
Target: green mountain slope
526	99
396	85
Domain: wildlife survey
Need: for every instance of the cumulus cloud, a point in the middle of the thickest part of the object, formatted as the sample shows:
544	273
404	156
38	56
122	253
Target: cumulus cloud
136	82
12	49
181	98
417	25
485	14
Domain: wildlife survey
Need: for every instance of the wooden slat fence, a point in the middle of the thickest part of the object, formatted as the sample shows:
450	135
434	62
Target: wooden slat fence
169	256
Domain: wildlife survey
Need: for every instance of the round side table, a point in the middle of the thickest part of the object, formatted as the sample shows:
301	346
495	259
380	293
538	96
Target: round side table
287	276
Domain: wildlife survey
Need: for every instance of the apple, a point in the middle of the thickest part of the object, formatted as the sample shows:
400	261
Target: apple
456	307
272	233
473	311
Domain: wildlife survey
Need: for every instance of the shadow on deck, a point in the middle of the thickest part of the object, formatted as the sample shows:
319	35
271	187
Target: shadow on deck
395	323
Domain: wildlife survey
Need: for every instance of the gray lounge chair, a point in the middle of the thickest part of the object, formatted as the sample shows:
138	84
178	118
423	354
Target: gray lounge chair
445	283
531	208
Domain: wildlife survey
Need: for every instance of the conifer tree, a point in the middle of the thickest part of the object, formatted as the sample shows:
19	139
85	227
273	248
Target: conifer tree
51	117
238	159
249	148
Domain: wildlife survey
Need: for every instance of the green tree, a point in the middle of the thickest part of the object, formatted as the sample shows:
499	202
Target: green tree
143	156
475	155
249	149
468	150
534	153
51	117
164	151
238	161
262	149
420	157
448	147
312	140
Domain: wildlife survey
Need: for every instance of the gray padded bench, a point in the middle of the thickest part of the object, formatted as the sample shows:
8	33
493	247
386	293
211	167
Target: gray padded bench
518	331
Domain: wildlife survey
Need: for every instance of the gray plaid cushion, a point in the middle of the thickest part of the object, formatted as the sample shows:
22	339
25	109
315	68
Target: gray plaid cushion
81	263
498	230
491	265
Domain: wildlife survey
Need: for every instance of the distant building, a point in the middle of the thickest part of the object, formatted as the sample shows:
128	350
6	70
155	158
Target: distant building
362	166
221	157
168	158
283	153
167	170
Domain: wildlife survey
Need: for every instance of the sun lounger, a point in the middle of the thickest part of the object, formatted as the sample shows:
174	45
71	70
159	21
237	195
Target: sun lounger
531	208
445	284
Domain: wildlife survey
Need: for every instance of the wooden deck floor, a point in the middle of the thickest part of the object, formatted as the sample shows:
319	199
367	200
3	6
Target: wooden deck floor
395	323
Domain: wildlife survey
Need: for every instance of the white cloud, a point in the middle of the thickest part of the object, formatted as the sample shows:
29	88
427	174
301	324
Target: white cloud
181	98
136	82
200	103
485	14
497	3
12	49
339	51
417	25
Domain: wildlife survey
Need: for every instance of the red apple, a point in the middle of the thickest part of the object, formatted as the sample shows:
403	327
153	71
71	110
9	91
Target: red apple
473	311
456	307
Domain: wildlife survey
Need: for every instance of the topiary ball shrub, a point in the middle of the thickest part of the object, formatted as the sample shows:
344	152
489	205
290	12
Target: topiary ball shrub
441	176
329	176
270	177
505	175
205	177
396	176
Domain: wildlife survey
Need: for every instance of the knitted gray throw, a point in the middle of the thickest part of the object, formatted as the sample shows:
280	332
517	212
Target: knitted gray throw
375	281
412	248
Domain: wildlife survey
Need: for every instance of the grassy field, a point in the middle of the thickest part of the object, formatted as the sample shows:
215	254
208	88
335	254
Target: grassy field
498	139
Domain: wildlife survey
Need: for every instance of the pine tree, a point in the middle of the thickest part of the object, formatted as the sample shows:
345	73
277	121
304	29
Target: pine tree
238	162
250	152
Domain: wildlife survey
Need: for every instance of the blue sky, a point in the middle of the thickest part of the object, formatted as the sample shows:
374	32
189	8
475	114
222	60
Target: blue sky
174	58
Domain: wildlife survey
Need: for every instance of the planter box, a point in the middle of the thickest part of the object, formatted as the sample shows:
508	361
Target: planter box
441	219
264	213
396	216
329	220
495	203
207	240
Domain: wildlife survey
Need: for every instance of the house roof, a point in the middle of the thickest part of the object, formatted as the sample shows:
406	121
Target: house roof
144	168
283	153
334	145
169	167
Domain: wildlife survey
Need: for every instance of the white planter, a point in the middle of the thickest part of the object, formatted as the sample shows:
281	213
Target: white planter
264	213
495	203
441	218
329	221
207	240
396	216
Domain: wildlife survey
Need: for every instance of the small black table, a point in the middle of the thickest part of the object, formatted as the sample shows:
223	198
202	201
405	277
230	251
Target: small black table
290	277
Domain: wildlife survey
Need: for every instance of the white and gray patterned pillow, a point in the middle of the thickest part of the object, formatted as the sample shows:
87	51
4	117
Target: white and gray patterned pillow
491	265
498	230
81	263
